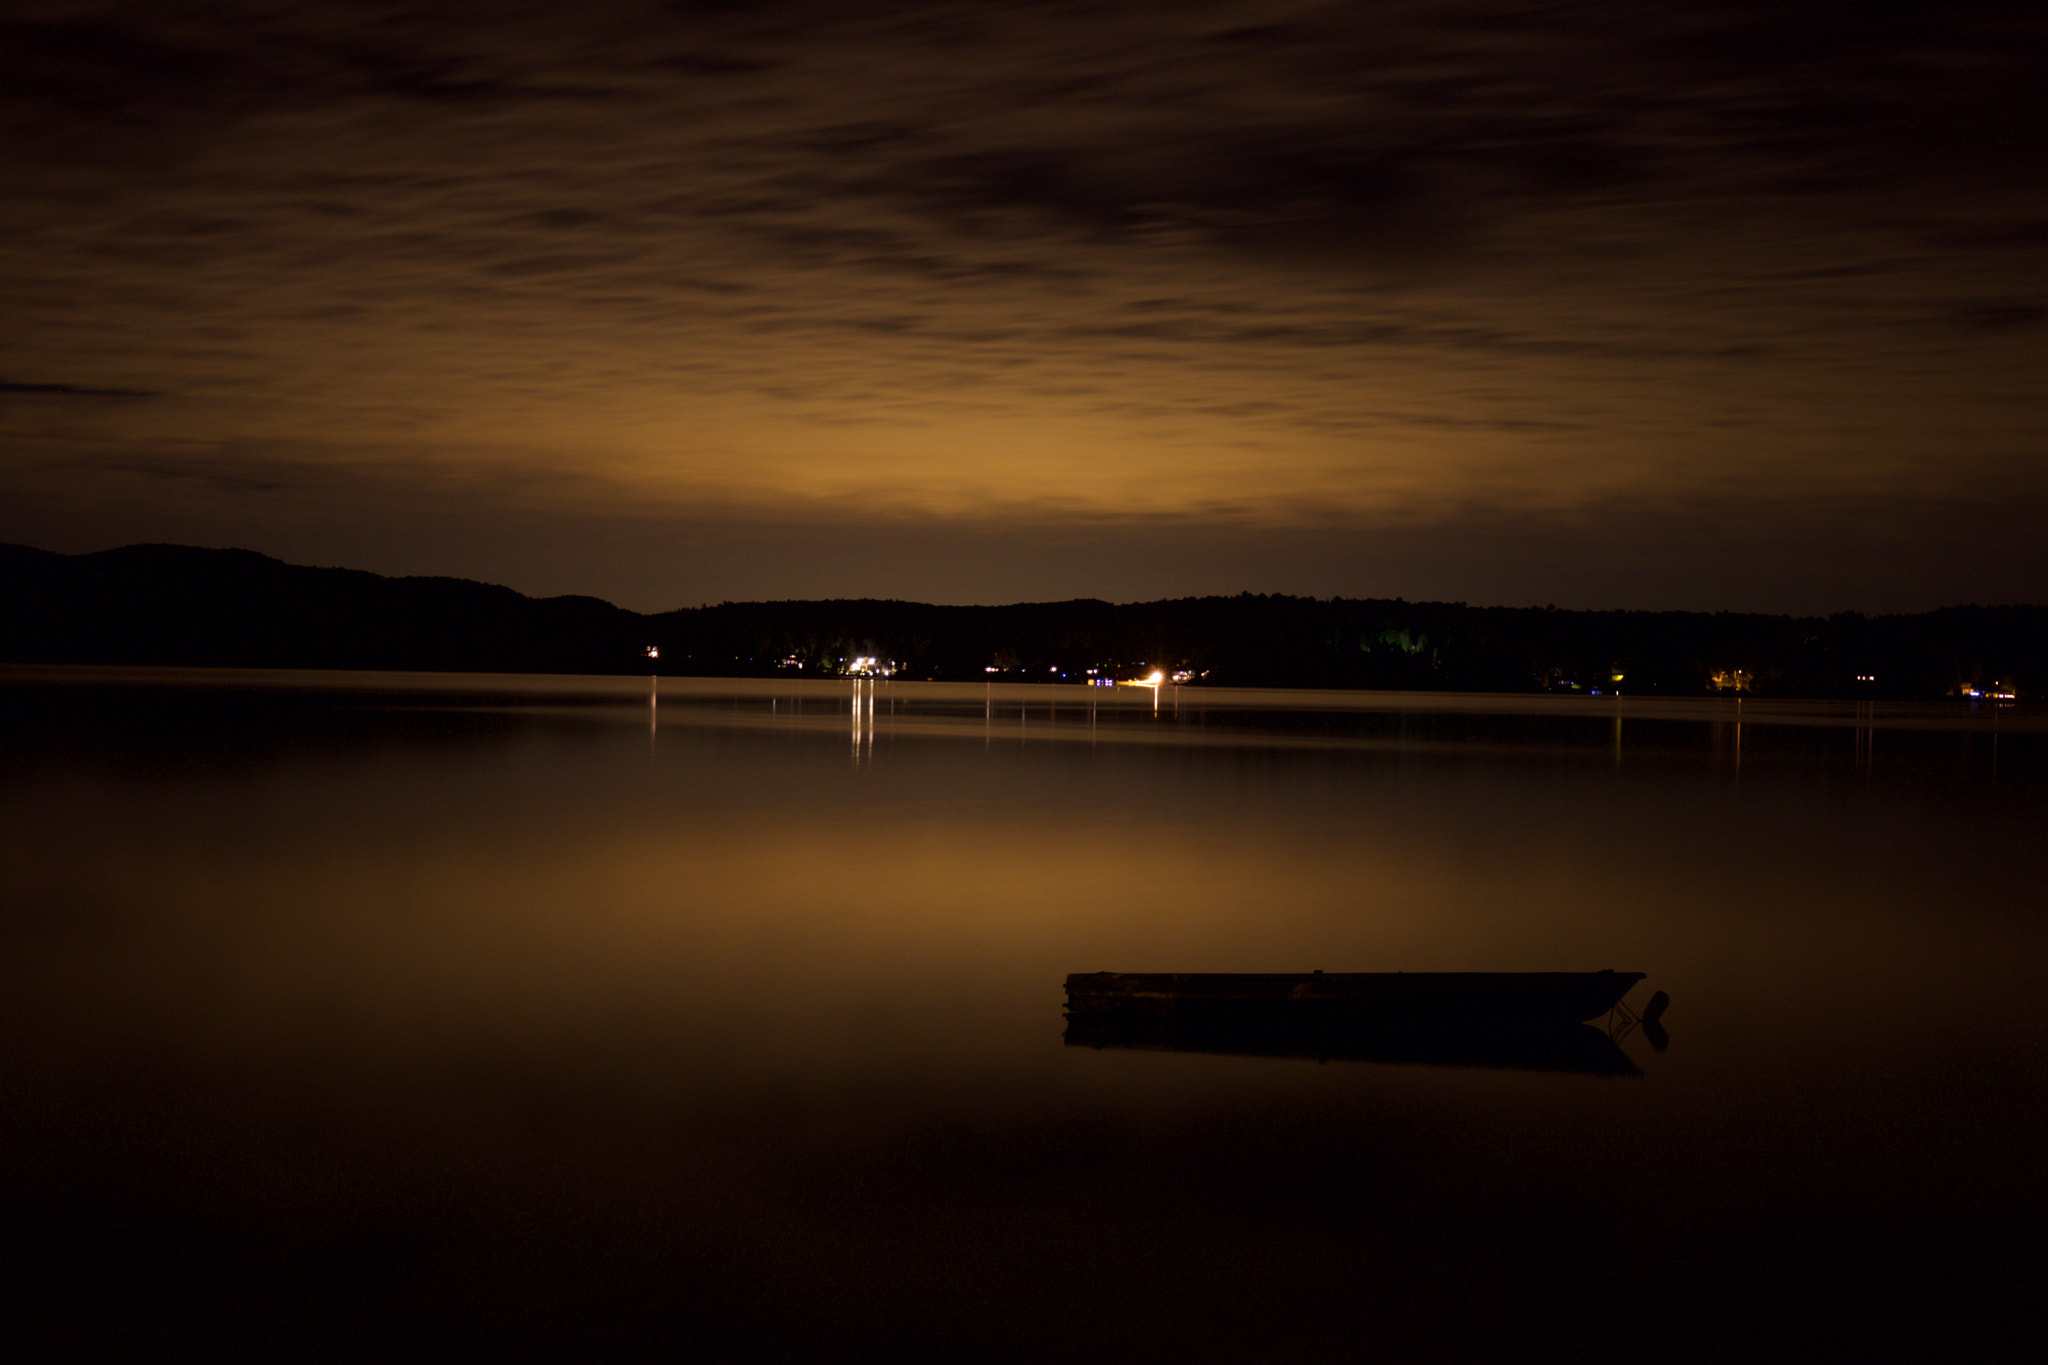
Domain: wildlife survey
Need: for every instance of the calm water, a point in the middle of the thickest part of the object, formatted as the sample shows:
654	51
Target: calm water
392	1015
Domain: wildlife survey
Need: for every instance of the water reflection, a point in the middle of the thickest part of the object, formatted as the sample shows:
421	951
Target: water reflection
370	1012
862	711
1324	1038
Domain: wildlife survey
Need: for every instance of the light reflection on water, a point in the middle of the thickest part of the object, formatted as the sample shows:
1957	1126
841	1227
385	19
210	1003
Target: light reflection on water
623	1012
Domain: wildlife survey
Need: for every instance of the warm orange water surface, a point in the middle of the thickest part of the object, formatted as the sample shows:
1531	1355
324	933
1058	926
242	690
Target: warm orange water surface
347	1014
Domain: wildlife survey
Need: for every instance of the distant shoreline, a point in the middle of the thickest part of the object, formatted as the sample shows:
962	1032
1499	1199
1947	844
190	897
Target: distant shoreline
1948	713
178	606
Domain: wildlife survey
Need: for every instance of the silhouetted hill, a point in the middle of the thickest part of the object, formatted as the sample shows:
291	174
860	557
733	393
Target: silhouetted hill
169	604
172	604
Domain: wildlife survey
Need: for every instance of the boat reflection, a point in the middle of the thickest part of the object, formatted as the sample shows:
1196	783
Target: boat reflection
1548	1047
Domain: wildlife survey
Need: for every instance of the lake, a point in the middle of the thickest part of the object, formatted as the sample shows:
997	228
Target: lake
414	1015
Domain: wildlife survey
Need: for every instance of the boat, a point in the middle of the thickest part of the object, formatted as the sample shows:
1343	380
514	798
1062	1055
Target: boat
1555	997
1503	1020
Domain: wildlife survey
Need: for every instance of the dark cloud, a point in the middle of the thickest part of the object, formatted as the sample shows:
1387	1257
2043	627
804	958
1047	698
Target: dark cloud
70	391
925	258
244	476
2003	317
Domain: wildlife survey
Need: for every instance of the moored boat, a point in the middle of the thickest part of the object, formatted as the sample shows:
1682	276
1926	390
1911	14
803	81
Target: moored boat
1515	1020
1533	997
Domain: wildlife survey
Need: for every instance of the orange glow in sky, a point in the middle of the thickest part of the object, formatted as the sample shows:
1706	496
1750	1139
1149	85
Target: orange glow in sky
995	303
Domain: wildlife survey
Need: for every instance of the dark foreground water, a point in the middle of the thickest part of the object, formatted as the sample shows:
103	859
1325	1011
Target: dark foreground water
386	1016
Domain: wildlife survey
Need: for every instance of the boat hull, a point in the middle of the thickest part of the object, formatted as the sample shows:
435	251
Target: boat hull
1513	1020
1362	997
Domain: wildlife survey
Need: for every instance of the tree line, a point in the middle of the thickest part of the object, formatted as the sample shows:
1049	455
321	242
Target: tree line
173	605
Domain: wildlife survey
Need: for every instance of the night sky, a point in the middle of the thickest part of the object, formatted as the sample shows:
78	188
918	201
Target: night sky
1735	305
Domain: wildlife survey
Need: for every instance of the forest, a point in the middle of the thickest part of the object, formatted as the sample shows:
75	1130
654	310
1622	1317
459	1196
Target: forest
179	605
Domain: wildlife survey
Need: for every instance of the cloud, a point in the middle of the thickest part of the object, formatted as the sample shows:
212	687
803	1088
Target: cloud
1138	257
2003	317
70	391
